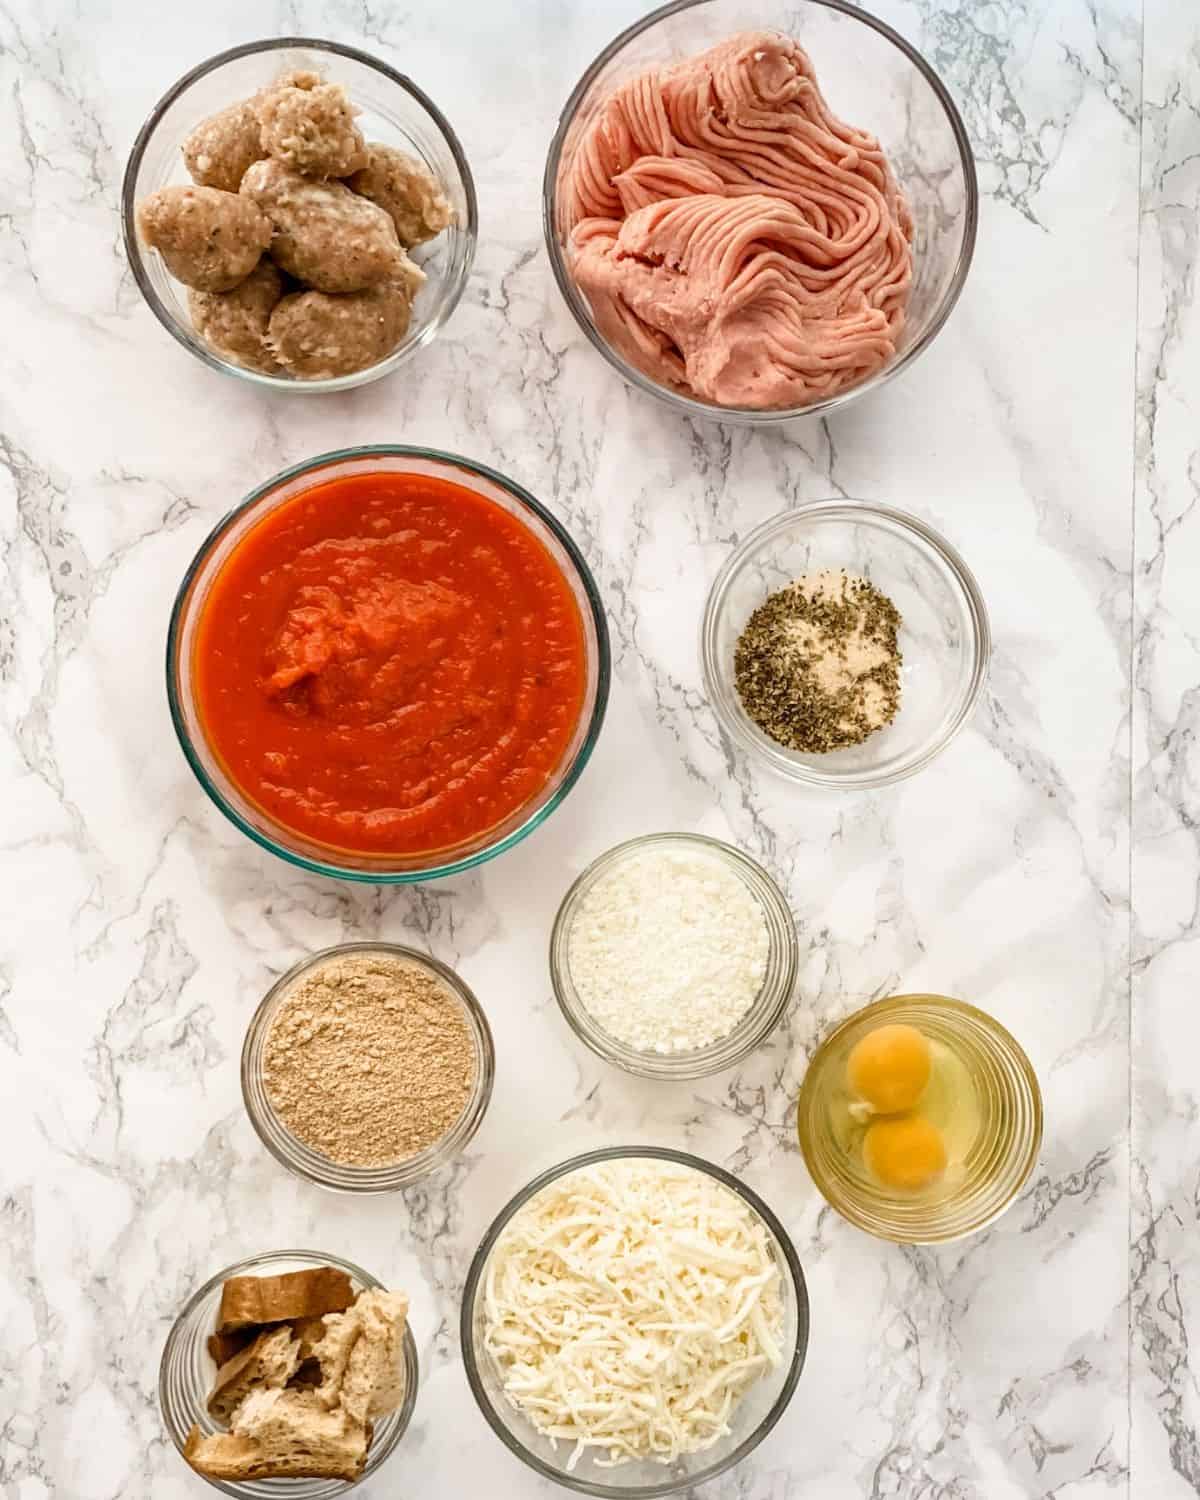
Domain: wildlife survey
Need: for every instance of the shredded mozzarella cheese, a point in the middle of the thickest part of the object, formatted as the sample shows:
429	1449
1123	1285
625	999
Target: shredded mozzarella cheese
628	1306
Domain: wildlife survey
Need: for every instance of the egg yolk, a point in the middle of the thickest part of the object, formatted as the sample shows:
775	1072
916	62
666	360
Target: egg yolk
907	1153
890	1068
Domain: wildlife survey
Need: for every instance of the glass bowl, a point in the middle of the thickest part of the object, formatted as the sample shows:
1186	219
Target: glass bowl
944	635
394	111
302	1159
996	1161
872	77
761	1406
383	869
186	1371
760	1019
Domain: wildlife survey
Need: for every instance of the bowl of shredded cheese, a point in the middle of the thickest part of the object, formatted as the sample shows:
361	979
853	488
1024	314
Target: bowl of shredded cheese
634	1322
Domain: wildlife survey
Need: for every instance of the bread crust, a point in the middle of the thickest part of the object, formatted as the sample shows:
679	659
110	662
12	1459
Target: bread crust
257	1301
232	1455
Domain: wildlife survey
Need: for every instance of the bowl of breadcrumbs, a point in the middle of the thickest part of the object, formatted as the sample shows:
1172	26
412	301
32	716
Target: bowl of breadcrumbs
367	1066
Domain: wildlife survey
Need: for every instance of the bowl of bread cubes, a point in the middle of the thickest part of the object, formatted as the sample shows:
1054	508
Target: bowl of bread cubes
290	1373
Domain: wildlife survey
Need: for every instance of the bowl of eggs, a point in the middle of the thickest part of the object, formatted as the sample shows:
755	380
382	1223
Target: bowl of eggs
920	1119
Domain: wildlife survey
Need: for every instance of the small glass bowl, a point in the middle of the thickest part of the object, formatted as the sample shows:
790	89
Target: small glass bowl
394	111
996	1165
300	1158
186	1372
760	1019
756	1414
382	869
871	76
944	635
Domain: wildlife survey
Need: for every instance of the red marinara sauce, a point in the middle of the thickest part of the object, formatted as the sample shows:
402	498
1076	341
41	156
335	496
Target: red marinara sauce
389	664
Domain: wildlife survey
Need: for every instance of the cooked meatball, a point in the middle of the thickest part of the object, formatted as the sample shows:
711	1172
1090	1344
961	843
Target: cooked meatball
220	148
235	323
325	235
210	240
316	336
297	78
410	277
309	126
404	190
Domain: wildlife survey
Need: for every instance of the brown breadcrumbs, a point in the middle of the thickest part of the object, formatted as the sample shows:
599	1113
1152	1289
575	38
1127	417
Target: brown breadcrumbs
818	665
369	1059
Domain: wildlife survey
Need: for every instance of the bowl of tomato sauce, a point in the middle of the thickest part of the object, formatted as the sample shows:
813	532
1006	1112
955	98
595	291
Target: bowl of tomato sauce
388	664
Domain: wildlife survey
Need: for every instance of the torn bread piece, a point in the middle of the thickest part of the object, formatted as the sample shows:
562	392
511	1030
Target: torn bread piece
294	1422
270	1362
309	1332
223	1346
256	1301
362	1356
281	1435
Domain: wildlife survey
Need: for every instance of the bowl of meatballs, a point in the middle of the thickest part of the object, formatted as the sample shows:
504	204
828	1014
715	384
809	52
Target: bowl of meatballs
299	215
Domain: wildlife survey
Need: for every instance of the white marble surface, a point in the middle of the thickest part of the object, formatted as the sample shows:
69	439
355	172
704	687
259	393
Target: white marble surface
1164	1284
1051	433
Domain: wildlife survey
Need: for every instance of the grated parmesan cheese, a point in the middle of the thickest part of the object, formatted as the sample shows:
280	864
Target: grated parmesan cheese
627	1308
668	950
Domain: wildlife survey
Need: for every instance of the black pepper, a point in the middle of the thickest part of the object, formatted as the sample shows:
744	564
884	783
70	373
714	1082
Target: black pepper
817	666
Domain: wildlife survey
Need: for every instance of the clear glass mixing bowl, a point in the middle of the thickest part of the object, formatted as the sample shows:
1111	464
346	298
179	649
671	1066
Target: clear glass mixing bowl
394	111
254	821
304	1160
944	635
871	77
760	1408
1003	1150
765	1011
186	1372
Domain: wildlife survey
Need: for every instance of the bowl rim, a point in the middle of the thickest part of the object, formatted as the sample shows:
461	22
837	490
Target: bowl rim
752	1029
250	1264
479	1261
885	1006
305	1161
572	772
749	416
871	513
136	261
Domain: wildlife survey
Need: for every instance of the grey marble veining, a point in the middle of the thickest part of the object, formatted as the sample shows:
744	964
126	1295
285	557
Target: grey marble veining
1046	867
1164	1290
